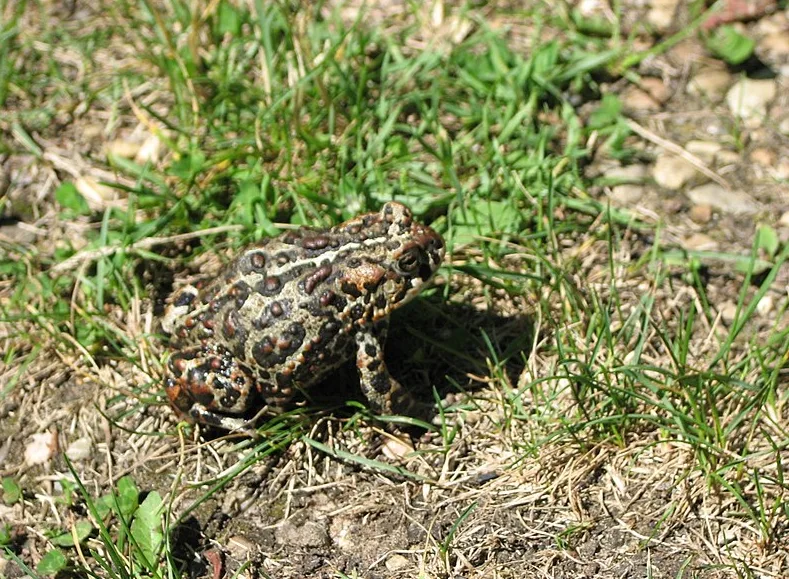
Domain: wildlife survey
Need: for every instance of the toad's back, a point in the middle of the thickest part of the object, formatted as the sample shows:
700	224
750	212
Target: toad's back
289	310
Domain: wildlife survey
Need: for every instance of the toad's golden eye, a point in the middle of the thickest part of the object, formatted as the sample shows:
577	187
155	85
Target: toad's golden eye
408	263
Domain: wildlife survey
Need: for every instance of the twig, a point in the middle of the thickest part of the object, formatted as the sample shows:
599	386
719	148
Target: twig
146	243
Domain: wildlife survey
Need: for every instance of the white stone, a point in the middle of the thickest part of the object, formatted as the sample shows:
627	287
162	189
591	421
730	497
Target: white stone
765	305
711	83
95	193
749	98
728	311
396	448
704	150
672	172
80	449
763	156
591	7
774	23
782	169
783	126
700	242
121	148
240	548
396	562
628	194
635	99
40	448
628	172
726	157
150	151
734	202
661	15
774	48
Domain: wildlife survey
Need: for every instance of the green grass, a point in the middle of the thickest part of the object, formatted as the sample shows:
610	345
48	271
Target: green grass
269	116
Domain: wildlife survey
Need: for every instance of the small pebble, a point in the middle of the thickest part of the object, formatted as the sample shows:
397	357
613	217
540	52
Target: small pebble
396	562
700	242
239	547
80	449
656	88
704	150
150	151
700	213
765	305
308	535
749	98
395	448
661	15
764	157
774	48
635	99
718	197
726	157
121	148
710	83
728	311
672	172
40	448
782	169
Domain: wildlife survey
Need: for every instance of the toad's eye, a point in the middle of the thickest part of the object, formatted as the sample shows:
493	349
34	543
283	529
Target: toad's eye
408	263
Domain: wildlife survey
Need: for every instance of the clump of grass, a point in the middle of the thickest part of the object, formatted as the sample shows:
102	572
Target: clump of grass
267	116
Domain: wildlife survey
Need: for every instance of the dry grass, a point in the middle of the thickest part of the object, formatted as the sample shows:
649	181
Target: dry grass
605	408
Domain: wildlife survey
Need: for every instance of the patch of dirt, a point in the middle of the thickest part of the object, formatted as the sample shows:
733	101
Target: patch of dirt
491	497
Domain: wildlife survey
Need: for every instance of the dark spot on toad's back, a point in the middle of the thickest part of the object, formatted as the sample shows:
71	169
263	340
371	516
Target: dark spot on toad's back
317	242
357	312
316	277
381	382
351	289
276	309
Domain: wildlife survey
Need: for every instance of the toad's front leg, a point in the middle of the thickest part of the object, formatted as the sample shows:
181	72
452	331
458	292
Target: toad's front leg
385	394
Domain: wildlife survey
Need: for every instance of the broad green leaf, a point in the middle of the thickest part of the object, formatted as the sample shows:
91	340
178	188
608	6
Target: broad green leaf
767	239
51	563
5	534
128	495
126	498
727	43
83	530
104	506
12	492
147	528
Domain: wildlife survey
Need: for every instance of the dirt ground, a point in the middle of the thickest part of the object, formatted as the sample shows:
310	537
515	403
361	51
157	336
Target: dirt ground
493	496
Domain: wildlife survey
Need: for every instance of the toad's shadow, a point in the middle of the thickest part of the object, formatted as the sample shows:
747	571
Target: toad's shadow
435	346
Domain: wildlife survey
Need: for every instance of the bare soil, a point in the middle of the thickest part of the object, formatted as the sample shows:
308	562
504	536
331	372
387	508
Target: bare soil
498	497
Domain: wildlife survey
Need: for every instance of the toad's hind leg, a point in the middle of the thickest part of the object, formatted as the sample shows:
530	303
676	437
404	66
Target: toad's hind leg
385	394
205	384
